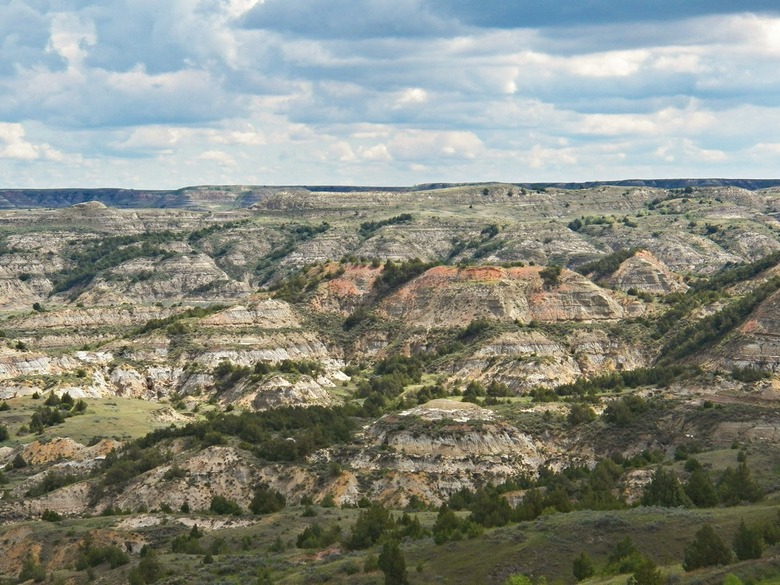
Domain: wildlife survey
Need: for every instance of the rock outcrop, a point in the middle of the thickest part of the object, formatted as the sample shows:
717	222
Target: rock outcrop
447	296
446	444
643	272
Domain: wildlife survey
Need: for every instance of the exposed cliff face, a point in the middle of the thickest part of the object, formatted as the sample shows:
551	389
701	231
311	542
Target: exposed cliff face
442	446
528	359
346	291
192	276
755	343
521	360
279	390
260	313
598	352
451	297
645	273
22	363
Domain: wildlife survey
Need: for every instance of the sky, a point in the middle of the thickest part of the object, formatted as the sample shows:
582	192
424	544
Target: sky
152	94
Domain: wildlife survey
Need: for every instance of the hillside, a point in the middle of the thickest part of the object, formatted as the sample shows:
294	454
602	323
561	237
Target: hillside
239	381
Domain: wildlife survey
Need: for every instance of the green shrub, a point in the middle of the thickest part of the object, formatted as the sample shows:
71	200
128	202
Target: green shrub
706	550
92	556
223	506
737	485
187	544
368	228
476	327
371	523
646	573
624	558
551	275
52	481
315	536
606	265
749	374
393	564
266	500
748	543
665	490
32	570
449	526
148	571
50	516
394	275
580	414
700	489
582	567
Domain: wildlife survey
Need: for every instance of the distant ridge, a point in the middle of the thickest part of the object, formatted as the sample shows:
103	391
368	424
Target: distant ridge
242	196
749	184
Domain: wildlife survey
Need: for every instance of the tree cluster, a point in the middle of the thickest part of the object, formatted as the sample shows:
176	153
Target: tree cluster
368	228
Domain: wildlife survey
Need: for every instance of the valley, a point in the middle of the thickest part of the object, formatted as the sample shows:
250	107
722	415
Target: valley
291	385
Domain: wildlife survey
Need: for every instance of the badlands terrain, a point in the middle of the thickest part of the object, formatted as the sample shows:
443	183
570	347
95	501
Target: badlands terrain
485	383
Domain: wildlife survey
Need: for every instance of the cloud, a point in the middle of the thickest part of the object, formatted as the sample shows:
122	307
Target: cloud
688	151
221	158
150	138
24	38
398	91
535	14
421	145
95	98
339	19
13	145
71	38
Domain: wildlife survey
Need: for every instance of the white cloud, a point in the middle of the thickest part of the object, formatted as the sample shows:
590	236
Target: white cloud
221	158
14	145
341	151
679	62
668	121
611	64
411	97
151	138
71	37
194	90
424	145
247	136
686	150
540	157
376	153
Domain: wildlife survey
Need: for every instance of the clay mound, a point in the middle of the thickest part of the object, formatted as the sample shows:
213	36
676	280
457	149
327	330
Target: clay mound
447	296
442	408
266	314
644	272
527	358
89	206
277	392
38	453
444	434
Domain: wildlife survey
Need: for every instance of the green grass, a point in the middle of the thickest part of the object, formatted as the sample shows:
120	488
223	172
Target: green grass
115	417
544	547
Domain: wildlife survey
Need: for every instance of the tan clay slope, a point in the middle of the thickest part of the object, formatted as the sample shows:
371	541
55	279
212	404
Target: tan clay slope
646	273
447	296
